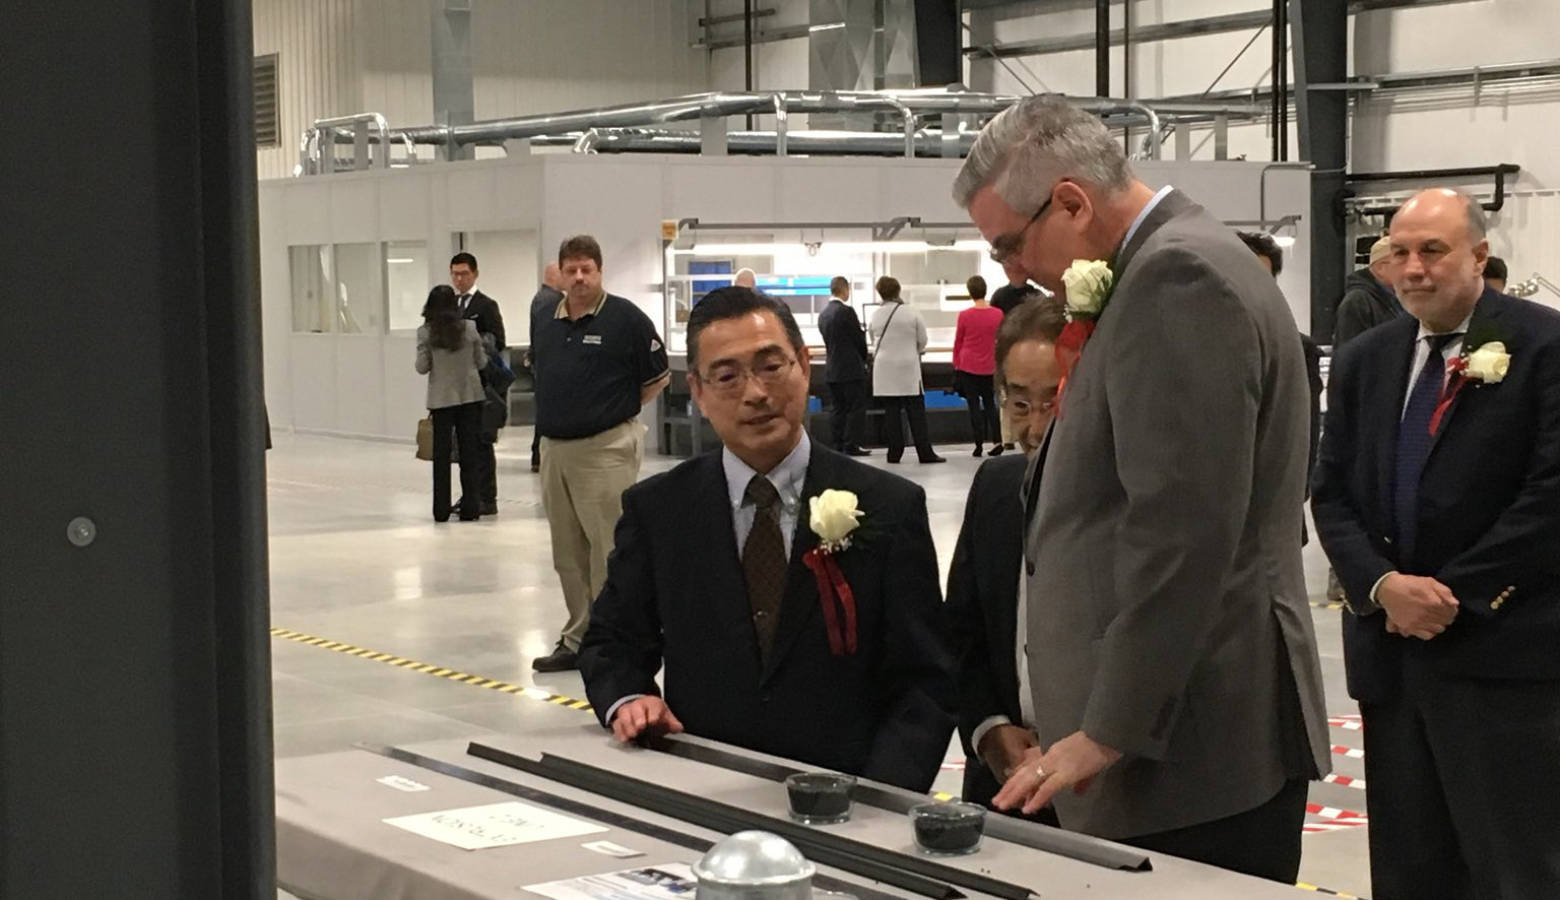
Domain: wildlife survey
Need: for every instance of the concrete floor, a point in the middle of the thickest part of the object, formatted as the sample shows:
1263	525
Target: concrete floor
357	559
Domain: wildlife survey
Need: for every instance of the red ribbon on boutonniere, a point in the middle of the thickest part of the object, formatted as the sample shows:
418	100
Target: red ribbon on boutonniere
1069	347
1454	385
834	595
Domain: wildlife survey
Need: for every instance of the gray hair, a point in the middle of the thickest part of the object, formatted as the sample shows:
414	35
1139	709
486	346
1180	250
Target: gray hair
1035	143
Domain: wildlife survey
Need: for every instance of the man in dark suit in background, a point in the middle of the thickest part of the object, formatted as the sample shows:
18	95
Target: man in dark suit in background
845	368
544	303
996	710
729	599
1437	499
483	310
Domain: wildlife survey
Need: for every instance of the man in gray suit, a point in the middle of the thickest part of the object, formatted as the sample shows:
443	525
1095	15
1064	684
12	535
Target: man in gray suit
1177	690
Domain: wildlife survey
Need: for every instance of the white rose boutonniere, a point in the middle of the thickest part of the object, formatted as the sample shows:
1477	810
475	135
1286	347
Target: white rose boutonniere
833	515
1488	363
1088	283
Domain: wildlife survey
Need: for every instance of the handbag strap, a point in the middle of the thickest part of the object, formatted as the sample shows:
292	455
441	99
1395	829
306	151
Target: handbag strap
886	322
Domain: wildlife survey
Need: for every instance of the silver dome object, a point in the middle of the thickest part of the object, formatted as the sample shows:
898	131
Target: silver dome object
754	865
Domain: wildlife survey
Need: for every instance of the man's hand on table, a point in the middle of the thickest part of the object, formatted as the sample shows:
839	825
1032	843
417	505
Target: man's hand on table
1071	762
642	716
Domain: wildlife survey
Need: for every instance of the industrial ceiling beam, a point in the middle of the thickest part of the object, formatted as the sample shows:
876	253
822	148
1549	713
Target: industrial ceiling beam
1165	31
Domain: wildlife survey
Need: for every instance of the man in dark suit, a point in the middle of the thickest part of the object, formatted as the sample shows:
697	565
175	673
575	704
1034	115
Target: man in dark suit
1437	499
1173	663
483	310
760	648
845	368
996	715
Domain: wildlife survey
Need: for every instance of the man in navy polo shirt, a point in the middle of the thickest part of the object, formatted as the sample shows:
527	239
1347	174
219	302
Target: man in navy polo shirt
598	361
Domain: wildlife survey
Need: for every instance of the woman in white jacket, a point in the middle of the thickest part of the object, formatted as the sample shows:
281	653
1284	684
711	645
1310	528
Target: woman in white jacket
899	336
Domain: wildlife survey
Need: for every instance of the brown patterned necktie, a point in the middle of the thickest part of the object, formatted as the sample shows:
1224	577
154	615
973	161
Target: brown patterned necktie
763	562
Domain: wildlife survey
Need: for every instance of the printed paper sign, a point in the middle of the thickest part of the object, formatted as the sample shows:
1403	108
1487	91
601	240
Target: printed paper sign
672	881
403	784
494	825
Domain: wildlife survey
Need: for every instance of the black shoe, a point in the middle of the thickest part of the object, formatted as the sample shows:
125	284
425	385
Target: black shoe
562	659
934	458
490	509
856	451
536	467
893	459
996	449
978	453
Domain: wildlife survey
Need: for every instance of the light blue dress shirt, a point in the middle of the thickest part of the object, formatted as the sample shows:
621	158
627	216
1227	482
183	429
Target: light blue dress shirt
1163	192
787	477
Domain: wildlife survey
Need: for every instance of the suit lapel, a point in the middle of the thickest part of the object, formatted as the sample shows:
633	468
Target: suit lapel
800	602
1479	327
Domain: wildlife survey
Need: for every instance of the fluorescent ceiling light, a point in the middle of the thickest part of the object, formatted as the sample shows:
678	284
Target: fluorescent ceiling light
400	259
1284	240
828	27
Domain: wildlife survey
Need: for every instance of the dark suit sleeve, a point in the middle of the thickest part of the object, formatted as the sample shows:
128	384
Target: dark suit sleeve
1313	377
1522	549
1351	317
858	335
979	698
492	322
912	738
621	652
1340	524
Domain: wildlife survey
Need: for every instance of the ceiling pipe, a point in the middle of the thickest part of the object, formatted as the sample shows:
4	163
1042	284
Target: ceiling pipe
907	104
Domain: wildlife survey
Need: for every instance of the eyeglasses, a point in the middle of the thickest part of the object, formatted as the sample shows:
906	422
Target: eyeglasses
1023	408
730	379
1005	246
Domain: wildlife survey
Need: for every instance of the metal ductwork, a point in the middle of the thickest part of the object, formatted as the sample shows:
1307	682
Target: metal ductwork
910	106
759	143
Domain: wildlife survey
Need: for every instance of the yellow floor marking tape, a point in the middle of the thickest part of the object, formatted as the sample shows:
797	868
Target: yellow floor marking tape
390	659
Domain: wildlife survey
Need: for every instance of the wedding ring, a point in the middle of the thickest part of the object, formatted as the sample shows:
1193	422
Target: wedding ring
1040	772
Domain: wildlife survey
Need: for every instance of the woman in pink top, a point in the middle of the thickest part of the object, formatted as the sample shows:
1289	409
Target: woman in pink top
974	361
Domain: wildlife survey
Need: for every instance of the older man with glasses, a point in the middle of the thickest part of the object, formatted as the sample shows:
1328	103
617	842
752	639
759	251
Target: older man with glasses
790	592
1175	683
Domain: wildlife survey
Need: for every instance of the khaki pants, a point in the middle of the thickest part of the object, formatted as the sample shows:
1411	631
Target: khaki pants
582	490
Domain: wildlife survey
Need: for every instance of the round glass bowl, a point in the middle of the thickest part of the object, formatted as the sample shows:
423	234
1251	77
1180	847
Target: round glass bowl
948	829
819	798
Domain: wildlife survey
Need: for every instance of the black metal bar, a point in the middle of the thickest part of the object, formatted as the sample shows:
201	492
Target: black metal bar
1102	48
734	17
923	876
1015	831
1320	36
1167	31
1126	68
747	51
587	811
1430	174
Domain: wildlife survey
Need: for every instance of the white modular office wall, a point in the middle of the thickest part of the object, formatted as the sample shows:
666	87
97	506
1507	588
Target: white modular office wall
363	384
